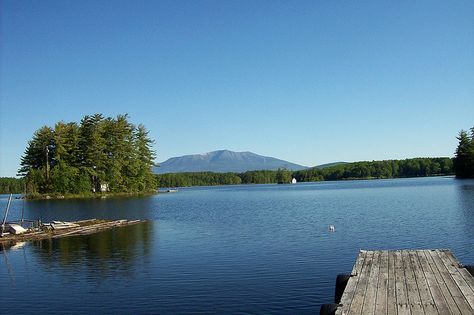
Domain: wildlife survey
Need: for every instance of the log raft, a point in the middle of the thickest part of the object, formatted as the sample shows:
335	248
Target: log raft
412	282
48	231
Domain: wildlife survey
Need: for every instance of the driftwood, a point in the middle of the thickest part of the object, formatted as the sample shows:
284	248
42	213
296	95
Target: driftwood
85	227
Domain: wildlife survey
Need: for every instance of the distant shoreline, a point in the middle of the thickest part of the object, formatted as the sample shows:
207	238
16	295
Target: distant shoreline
319	181
145	194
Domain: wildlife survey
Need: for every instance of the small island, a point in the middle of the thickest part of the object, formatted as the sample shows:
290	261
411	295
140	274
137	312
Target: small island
97	157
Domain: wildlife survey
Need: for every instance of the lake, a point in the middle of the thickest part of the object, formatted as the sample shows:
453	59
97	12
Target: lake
229	249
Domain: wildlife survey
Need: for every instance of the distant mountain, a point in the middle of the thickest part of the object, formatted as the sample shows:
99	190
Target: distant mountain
224	161
329	165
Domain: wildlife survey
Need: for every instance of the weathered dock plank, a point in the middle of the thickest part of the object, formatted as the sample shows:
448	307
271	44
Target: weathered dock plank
453	288
414	299
359	296
433	270
382	285
408	282
400	285
463	271
371	292
391	289
353	280
453	269
426	299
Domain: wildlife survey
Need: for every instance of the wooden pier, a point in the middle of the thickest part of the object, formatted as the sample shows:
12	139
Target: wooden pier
408	282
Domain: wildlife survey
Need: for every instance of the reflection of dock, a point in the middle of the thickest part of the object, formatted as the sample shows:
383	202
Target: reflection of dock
64	229
404	282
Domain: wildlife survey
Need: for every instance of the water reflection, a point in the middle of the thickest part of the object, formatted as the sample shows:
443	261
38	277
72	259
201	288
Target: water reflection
112	208
465	194
99	255
253	249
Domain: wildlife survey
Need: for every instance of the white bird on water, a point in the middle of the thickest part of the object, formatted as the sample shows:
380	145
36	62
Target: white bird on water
332	228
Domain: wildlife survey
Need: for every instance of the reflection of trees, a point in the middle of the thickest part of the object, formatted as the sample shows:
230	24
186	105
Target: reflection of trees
99	254
466	199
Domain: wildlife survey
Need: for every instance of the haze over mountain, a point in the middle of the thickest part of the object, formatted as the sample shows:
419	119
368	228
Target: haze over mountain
223	161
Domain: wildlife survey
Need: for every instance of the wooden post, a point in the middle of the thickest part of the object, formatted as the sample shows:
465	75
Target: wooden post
47	163
6	214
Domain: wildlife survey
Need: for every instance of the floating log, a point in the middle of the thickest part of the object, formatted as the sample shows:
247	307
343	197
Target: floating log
48	230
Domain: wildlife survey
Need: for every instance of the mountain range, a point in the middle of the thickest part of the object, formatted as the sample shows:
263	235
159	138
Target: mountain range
224	161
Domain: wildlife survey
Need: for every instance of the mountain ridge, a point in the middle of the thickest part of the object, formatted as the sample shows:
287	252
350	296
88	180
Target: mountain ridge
222	161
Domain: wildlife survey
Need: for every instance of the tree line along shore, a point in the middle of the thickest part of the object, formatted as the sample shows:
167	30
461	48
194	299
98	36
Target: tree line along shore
111	156
417	167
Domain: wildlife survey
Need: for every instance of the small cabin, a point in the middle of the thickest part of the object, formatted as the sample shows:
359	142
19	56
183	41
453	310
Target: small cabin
104	187
293	181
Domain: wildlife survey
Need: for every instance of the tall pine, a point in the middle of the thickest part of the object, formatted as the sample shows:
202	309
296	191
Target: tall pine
464	159
146	156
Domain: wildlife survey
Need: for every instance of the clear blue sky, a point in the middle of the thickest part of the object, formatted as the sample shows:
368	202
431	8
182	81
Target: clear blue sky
306	81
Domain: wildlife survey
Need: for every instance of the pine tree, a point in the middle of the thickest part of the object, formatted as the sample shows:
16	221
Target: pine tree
38	157
92	148
119	152
146	156
464	159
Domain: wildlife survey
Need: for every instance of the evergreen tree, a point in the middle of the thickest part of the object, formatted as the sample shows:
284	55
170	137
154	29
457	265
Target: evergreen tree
38	157
146	157
92	148
283	176
118	134
464	159
39	148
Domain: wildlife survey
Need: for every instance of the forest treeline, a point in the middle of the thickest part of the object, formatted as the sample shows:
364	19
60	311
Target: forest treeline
113	155
11	185
97	155
213	179
464	159
416	167
359	170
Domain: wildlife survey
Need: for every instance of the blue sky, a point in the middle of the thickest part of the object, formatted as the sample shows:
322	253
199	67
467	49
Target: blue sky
307	81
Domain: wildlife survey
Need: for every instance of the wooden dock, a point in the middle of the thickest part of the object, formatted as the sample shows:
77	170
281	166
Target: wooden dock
408	282
83	227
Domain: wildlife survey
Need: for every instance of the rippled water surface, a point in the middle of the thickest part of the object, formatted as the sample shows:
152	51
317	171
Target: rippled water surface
253	248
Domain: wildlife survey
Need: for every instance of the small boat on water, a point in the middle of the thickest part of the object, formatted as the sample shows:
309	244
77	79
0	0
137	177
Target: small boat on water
59	225
170	190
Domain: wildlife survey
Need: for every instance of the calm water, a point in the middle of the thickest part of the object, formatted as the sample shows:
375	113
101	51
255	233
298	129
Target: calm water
256	248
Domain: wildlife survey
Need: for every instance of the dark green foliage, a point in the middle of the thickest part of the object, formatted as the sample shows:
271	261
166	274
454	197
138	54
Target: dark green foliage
145	159
36	153
359	170
379	169
10	185
197	179
99	153
283	176
258	177
464	160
